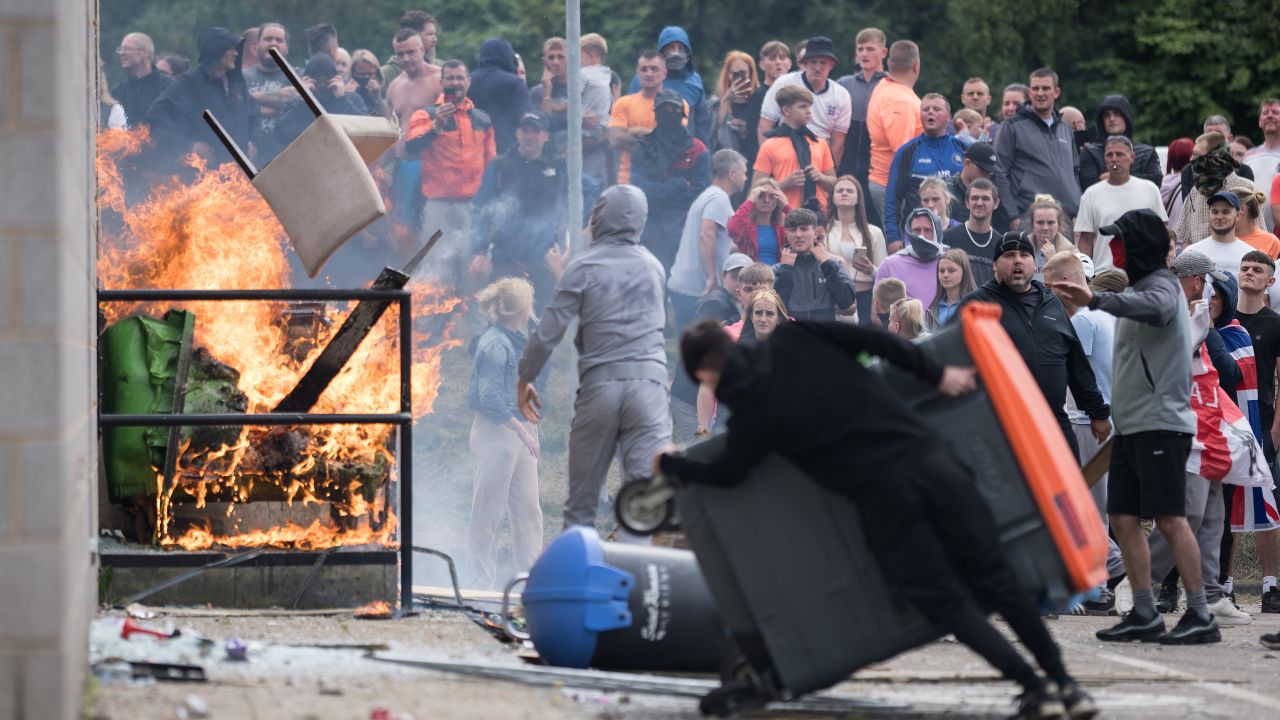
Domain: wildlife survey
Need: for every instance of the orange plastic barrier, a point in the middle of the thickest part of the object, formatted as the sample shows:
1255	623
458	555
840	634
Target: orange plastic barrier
1052	472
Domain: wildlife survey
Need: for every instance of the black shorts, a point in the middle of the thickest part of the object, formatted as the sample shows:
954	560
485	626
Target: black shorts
1149	474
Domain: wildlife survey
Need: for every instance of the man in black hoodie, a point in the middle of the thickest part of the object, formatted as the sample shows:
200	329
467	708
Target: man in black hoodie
216	85
497	90
1115	117
1041	330
925	522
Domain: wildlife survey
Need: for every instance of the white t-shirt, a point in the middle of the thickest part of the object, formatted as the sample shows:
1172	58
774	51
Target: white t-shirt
1103	203
688	277
832	108
1226	256
1263	162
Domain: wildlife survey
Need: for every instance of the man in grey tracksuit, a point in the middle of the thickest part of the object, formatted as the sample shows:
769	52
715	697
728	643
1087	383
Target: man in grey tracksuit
616	290
1036	153
1151	408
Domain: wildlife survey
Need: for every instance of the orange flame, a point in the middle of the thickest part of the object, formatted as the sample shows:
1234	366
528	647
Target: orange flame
217	232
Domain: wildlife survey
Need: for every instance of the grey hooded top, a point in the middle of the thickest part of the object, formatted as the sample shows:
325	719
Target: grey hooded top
616	290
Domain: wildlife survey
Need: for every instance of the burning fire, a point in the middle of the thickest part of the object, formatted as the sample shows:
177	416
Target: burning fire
217	232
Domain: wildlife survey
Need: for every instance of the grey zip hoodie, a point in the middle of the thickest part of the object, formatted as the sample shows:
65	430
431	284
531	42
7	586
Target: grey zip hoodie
616	290
1034	157
1151	383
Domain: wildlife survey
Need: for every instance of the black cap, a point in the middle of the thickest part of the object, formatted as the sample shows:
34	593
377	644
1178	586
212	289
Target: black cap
982	155
536	118
668	97
1014	242
821	46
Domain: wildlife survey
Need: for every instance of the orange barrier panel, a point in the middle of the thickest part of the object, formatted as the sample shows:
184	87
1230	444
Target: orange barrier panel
1051	471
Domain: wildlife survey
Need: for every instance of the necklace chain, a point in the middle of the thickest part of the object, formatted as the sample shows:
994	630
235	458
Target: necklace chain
990	235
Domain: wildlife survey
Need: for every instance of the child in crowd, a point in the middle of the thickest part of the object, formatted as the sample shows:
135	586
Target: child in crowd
887	292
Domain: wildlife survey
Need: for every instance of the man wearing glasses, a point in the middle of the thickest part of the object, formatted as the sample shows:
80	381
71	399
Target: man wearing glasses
144	83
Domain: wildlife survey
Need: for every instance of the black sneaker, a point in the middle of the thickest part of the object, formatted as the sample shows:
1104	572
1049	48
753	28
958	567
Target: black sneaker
1104	606
1270	641
1167	601
1041	704
1271	601
1192	630
1133	627
1077	702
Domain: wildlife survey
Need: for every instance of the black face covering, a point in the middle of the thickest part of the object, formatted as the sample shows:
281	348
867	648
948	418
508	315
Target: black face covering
660	148
676	61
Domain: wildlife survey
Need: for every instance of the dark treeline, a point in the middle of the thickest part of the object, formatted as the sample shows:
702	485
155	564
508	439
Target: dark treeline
1176	60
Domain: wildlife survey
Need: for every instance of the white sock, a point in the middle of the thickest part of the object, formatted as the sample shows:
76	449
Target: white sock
1268	583
1227	586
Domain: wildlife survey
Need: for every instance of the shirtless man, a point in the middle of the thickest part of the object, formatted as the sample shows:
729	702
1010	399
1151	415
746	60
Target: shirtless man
417	86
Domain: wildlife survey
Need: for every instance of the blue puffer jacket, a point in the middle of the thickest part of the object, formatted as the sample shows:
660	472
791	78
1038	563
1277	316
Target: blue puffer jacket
687	82
921	157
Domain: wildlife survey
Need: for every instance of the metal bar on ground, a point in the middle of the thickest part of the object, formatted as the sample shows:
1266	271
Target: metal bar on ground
258	419
229	143
453	572
226	561
406	457
303	91
150	295
315	570
417	259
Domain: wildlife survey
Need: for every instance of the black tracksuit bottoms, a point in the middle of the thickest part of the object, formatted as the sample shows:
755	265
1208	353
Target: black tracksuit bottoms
937	544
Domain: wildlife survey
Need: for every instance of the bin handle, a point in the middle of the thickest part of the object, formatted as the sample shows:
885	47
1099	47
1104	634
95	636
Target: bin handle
506	607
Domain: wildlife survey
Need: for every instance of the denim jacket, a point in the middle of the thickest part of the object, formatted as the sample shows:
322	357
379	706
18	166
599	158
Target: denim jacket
492	388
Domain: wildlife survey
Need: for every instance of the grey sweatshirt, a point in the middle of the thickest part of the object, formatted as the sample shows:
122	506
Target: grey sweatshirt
1034	157
616	290
1151	386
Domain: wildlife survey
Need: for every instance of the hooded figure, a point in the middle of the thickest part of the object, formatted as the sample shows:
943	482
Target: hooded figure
497	90
616	290
684	79
672	169
917	264
1146	162
1151	370
176	116
298	117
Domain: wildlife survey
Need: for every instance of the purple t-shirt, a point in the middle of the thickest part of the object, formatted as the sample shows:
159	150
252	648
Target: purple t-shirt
921	278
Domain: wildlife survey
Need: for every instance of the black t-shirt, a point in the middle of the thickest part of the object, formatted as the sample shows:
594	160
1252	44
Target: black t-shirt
1264	330
978	246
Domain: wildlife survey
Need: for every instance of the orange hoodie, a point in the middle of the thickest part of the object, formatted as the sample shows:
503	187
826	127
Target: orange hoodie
454	160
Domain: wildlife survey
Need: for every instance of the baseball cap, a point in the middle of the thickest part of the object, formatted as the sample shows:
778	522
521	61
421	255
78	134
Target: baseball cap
536	118
982	155
668	97
821	46
1226	197
1014	242
736	261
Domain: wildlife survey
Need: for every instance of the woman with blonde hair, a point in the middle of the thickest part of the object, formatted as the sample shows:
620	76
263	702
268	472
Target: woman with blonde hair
733	128
1048	226
503	445
1251	204
859	244
936	196
955	280
764	312
366	81
907	321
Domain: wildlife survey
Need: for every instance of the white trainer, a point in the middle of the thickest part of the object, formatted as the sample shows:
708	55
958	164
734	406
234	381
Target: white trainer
1228	614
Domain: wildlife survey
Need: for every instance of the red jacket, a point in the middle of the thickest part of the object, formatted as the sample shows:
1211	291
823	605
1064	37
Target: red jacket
742	230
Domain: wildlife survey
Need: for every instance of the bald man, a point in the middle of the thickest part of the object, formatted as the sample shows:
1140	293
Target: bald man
144	83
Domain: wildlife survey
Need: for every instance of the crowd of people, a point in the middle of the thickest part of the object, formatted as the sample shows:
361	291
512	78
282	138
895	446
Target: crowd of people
1137	285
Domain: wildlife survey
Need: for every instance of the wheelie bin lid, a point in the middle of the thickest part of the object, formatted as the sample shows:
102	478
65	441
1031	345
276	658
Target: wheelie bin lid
572	596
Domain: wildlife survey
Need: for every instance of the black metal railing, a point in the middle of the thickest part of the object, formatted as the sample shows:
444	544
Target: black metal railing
402	419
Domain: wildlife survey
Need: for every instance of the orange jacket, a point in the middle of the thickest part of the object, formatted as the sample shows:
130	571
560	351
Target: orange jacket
453	160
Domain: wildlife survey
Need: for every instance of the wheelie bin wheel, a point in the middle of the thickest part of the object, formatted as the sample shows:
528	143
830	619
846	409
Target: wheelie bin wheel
731	698
645	506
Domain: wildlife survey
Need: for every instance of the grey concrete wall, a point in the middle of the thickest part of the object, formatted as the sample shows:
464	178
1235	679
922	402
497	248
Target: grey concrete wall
47	383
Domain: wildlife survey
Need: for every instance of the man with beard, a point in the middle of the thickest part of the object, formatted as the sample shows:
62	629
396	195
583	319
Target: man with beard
1041	330
671	169
1151	395
215	84
614	289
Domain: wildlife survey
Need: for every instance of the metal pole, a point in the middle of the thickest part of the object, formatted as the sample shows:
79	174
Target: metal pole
406	457
573	37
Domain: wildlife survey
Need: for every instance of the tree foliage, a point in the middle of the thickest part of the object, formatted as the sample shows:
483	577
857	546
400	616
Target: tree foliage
1176	60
